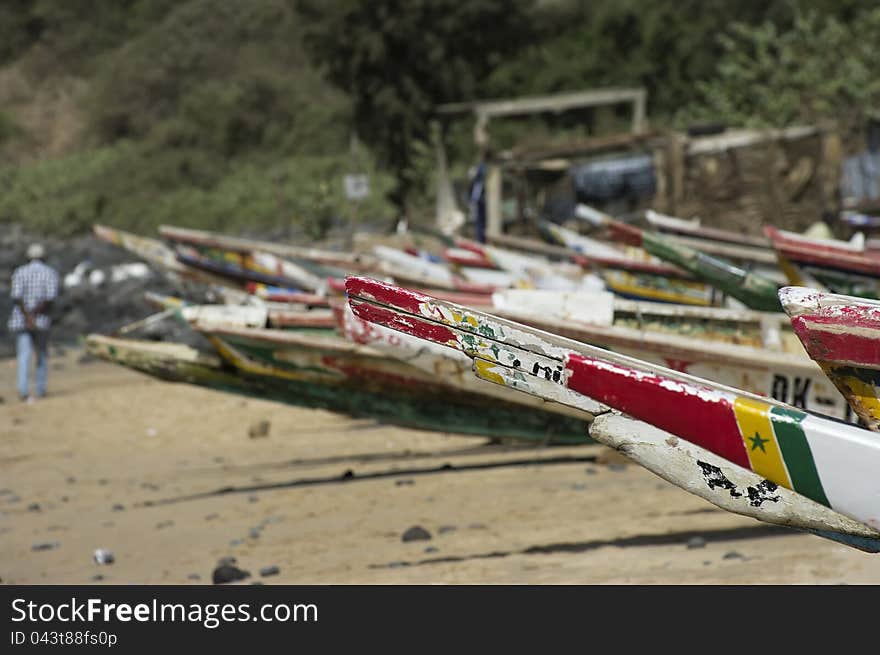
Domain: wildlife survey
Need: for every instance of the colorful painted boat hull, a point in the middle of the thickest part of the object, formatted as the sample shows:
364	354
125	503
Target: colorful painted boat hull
828	462
178	363
637	278
841	266
363	382
155	253
788	377
753	290
842	334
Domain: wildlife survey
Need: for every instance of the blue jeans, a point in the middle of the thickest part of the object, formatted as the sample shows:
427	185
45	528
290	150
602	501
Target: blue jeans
25	344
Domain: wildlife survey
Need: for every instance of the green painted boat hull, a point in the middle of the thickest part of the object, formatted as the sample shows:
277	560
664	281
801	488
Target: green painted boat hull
396	405
755	291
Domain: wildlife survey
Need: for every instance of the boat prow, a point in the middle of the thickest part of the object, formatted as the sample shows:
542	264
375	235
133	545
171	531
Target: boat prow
842	335
821	461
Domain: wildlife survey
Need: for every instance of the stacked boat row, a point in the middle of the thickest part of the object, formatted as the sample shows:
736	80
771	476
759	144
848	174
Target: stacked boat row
721	400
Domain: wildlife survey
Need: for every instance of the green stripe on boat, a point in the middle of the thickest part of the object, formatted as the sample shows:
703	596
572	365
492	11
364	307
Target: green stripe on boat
797	454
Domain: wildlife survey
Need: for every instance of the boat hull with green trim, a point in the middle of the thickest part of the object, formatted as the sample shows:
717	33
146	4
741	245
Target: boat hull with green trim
752	289
823	463
173	362
360	381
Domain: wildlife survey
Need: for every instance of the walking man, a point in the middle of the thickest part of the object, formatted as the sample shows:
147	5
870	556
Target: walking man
34	287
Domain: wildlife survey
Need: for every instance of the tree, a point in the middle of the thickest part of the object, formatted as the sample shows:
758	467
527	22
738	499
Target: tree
398	59
821	67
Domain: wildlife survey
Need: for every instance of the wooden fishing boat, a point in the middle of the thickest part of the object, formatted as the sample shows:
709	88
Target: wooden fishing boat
173	362
763	330
362	381
252	267
413	270
846	267
256	314
693	228
203	239
744	349
750	288
829	467
633	273
842	334
156	253
531	270
440	363
285	295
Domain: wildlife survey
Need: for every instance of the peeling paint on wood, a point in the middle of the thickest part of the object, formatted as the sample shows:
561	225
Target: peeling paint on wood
842	334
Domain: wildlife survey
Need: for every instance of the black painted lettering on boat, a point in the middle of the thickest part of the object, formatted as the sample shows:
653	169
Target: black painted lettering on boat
762	493
715	478
547	372
800	387
780	387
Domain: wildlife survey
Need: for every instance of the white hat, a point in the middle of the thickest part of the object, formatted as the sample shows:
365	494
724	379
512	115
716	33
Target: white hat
36	251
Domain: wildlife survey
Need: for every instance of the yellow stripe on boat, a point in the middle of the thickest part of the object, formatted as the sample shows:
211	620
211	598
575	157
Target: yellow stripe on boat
485	370
753	418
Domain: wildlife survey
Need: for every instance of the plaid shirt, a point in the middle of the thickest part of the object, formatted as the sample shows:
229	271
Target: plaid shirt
32	283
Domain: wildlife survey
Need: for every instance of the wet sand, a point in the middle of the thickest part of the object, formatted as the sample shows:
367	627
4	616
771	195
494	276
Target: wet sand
167	477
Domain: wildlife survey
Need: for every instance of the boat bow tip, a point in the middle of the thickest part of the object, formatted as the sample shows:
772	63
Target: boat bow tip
797	301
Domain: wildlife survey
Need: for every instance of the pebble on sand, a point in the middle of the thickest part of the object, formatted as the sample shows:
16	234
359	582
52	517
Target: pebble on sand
696	542
416	533
228	573
443	529
259	429
45	545
103	556
266	571
733	555
34	507
118	507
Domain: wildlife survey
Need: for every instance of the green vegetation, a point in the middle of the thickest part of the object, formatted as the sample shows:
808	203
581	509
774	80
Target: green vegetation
238	115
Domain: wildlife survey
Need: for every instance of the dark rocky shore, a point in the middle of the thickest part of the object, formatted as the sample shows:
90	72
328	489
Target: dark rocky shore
93	298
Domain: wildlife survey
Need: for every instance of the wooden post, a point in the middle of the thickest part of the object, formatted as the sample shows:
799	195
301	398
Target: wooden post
353	202
638	121
494	223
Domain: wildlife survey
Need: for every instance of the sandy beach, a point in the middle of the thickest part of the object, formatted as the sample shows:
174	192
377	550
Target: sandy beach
170	478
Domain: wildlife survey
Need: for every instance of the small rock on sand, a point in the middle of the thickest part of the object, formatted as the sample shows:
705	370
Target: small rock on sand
416	533
259	429
266	571
103	556
228	573
45	545
696	542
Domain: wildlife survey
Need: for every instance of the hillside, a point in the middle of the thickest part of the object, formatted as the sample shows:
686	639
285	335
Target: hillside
238	115
194	112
